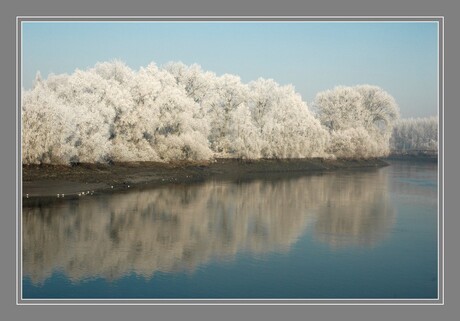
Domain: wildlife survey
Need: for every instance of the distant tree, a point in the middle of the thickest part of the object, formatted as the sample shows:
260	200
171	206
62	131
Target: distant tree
415	134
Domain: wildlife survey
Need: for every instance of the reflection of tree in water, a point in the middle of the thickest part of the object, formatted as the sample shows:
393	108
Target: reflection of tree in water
165	229
178	228
357	210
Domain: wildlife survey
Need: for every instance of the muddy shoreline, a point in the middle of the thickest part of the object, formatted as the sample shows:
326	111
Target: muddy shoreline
70	182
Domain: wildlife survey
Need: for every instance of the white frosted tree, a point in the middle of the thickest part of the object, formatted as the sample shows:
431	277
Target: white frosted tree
93	117
415	134
340	108
286	127
197	83
163	123
228	94
360	120
243	134
47	132
382	112
113	113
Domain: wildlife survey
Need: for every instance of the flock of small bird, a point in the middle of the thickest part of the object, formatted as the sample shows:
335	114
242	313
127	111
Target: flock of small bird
79	194
82	193
111	186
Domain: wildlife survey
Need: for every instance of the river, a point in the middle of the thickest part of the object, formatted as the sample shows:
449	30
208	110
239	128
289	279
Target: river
361	234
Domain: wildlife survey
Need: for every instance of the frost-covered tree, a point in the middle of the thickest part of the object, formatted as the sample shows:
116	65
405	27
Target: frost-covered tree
415	134
229	94
196	82
164	119
279	123
177	112
245	138
223	104
111	112
48	135
360	120
286	127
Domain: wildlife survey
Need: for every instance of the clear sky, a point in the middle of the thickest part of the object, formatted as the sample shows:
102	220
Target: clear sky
400	57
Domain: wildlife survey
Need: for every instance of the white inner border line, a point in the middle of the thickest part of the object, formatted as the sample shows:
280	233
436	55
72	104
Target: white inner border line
435	19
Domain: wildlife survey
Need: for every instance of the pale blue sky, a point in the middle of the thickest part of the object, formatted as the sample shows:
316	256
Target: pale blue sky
400	57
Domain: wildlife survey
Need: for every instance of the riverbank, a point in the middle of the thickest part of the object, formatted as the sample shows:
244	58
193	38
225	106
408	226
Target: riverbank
88	179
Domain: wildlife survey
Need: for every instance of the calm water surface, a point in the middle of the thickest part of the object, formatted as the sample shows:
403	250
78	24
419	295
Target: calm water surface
356	234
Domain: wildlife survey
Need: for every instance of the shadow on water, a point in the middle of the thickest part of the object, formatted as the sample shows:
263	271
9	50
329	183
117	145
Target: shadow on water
180	227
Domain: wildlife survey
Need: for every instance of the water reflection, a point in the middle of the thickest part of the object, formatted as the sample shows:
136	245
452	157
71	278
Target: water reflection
178	228
419	180
356	210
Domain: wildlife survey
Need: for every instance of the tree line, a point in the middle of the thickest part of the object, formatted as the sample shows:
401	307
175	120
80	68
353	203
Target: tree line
111	113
